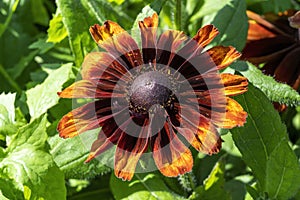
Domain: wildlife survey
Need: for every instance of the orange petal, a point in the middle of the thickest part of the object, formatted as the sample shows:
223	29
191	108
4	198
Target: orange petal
88	89
101	33
171	156
128	153
148	29
203	37
199	131
234	116
83	118
223	56
117	42
234	84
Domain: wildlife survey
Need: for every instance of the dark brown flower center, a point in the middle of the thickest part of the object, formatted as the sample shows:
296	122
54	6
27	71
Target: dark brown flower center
149	90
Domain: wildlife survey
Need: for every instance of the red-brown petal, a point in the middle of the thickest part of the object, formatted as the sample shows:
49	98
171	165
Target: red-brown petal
148	29
117	42
128	153
234	84
171	156
89	89
223	56
199	131
288	70
203	37
109	135
101	65
168	44
84	118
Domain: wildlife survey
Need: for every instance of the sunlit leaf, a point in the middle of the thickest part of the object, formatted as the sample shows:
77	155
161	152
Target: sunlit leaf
232	22
213	186
44	96
263	143
27	169
57	31
275	91
70	154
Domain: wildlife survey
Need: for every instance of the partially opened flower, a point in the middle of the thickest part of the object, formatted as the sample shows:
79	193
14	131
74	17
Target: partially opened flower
156	98
274	42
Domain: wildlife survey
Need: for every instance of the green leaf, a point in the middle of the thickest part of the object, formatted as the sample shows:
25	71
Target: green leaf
70	154
264	6
57	31
8	101
142	187
44	96
213	187
275	91
232	23
27	170
263	143
78	16
199	9
148	11
77	19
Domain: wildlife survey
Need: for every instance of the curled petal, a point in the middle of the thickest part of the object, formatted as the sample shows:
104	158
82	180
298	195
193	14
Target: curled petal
223	56
234	115
171	156
102	33
234	84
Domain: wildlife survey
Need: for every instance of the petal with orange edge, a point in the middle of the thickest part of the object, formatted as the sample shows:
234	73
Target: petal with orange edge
101	65
234	84
234	115
199	131
128	153
89	89
108	136
223	56
203	37
171	156
168	44
148	29
86	117
117	42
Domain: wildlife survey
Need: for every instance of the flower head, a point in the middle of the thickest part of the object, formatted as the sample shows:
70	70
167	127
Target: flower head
273	40
155	99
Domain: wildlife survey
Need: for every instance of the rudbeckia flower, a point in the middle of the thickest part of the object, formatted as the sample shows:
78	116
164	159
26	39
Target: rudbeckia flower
156	99
273	42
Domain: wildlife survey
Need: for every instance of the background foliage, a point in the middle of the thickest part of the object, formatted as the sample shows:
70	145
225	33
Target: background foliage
43	44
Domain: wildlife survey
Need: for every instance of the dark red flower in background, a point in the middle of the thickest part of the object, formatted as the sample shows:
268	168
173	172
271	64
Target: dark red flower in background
148	99
274	43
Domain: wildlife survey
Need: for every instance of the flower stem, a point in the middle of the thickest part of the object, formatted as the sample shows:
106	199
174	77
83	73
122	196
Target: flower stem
8	19
178	15
9	79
